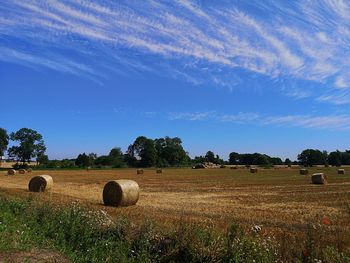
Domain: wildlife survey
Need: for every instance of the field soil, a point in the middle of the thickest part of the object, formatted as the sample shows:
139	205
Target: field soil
33	256
279	200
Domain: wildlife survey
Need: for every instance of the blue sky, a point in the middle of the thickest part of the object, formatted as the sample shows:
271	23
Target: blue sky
245	76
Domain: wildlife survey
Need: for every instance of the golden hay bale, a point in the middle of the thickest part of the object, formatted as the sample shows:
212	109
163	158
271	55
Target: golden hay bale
159	171
303	171
121	193
11	172
40	183
253	170
319	178
22	171
29	170
341	171
139	171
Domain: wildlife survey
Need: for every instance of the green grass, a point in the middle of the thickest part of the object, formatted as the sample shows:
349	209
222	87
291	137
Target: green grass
85	235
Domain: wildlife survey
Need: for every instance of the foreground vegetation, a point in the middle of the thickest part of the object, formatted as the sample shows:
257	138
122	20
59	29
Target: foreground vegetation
86	235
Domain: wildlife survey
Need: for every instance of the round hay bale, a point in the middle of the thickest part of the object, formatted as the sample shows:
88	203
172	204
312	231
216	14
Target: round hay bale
40	183
253	170
22	171
159	171
303	171
29	170
139	171
341	171
319	178
198	166
121	193
11	172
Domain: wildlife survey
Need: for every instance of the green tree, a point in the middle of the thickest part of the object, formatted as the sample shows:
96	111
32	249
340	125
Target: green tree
31	145
288	161
148	154
335	158
83	160
116	157
310	157
275	160
170	152
4	141
199	159
218	160
142	152
210	156
345	158
234	158
42	159
261	159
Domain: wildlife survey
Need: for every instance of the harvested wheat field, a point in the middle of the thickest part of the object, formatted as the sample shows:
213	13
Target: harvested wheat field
280	201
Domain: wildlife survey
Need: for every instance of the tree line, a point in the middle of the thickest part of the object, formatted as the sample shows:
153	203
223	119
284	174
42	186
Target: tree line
28	144
143	152
308	158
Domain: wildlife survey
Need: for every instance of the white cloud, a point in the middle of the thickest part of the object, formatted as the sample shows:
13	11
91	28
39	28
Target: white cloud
329	122
336	99
319	122
341	83
302	41
194	116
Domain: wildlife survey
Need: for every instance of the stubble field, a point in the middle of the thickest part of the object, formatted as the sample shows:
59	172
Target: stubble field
280	201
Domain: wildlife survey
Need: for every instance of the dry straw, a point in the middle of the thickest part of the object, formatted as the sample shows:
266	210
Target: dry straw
303	171
11	172
121	193
319	178
22	171
40	183
341	171
253	170
139	171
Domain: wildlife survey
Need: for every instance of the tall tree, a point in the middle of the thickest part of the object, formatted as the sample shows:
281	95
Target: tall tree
142	152
83	160
345	158
30	145
170	152
42	159
210	156
287	161
310	157
335	158
234	158
4	141
116	157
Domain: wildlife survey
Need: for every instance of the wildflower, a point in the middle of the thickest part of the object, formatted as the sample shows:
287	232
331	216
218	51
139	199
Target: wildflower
256	229
326	221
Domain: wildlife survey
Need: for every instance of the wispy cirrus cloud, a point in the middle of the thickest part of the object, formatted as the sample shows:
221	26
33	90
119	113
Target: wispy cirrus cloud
197	42
191	116
329	122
